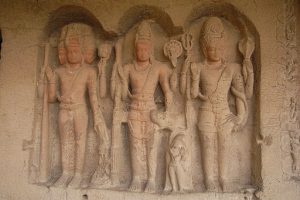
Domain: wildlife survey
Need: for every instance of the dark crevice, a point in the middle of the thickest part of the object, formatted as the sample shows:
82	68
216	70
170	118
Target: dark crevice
0	43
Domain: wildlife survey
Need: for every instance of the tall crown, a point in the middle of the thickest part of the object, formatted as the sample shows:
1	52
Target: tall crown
144	32
73	35
212	30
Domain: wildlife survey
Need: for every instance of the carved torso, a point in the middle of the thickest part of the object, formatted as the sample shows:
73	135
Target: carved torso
74	84
144	82
215	84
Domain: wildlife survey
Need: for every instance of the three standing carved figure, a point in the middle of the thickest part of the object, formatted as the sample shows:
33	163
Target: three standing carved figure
74	85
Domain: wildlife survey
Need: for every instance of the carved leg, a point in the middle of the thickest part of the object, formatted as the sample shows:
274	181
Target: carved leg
173	178
226	153
80	124
209	160
138	158
67	141
152	151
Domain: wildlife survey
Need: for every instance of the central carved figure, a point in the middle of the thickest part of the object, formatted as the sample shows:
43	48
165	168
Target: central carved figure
143	76
212	80
75	80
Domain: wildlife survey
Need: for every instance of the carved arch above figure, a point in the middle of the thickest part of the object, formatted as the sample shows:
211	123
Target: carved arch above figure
139	13
75	14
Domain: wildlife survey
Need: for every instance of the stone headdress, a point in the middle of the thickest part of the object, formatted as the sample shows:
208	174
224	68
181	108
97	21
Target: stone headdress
144	32
73	35
212	32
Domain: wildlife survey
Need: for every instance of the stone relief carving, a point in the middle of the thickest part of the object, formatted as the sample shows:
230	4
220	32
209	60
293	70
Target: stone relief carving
289	82
178	165
211	81
153	141
143	75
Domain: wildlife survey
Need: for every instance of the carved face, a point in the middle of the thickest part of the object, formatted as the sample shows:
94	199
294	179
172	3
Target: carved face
143	51
74	54
62	56
89	55
214	53
105	50
177	149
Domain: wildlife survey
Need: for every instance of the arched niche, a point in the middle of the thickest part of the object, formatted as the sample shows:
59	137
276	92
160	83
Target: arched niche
0	42
75	14
162	26
237	26
145	12
45	159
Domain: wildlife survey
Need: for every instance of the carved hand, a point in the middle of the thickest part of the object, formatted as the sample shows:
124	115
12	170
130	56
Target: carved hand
247	68
237	121
202	97
50	74
169	100
186	65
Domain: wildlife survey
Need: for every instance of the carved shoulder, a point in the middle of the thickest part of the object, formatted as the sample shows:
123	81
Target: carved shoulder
162	67
127	68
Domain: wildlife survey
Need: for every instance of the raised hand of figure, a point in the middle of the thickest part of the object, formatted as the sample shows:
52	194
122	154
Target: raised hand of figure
247	69
49	74
202	97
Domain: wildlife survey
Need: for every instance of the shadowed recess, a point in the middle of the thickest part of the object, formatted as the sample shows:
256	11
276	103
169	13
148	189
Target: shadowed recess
143	12
0	43
74	14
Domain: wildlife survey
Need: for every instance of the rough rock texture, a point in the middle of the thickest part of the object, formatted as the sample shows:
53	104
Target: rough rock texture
26	24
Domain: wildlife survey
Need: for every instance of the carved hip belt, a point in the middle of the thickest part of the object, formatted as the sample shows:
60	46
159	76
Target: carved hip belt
140	110
142	105
69	106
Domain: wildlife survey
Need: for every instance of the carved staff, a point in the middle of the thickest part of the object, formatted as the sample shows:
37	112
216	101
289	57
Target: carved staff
44	148
117	65
116	90
246	47
187	43
104	54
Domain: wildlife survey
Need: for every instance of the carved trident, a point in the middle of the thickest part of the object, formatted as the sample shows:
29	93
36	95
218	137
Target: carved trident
187	43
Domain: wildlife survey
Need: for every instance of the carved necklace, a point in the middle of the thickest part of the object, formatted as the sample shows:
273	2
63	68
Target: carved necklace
142	70
149	68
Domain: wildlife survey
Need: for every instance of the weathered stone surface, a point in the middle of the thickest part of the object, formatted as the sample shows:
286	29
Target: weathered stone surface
149	99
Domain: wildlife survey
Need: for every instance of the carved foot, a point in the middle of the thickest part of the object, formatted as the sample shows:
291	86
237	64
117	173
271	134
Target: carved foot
168	189
212	186
85	182
230	187
136	186
186	190
150	188
76	182
63	181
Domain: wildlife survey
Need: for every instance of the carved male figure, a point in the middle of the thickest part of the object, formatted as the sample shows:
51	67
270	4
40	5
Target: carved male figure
143	76
74	80
212	80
